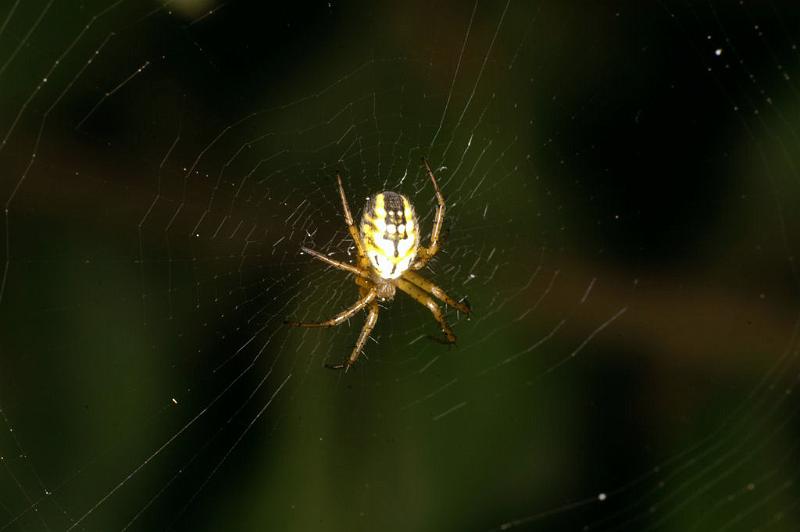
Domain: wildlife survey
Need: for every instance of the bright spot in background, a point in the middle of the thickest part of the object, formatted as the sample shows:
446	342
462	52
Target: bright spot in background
191	9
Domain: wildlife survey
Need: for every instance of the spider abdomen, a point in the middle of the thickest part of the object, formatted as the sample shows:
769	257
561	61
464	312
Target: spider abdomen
390	233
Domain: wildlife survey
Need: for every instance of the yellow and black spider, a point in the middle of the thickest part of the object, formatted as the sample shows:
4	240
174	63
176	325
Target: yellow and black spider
389	252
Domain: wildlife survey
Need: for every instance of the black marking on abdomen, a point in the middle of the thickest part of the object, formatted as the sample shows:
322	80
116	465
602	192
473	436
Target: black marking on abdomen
392	201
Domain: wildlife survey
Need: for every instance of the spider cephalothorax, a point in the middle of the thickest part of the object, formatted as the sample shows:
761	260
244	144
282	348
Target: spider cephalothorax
389	252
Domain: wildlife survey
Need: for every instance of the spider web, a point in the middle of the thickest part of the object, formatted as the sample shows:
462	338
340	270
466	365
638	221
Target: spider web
621	190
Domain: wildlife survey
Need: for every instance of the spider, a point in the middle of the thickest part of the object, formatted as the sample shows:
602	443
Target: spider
389	255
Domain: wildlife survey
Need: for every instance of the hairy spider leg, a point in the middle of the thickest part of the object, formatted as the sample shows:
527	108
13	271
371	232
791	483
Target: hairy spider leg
340	318
422	297
335	263
348	218
369	324
425	254
437	292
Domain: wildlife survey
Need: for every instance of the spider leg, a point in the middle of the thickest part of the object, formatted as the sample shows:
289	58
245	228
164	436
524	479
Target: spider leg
426	253
420	296
335	263
343	316
437	292
348	218
372	319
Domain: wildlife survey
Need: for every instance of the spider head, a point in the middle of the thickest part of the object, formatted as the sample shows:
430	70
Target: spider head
390	233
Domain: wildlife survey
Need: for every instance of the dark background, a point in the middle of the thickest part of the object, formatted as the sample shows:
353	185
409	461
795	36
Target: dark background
621	180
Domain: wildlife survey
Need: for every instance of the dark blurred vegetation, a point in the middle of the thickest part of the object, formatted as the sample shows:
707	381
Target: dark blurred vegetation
640	192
